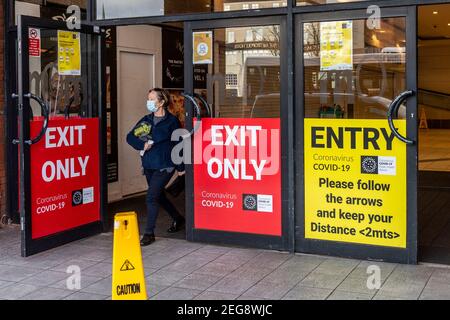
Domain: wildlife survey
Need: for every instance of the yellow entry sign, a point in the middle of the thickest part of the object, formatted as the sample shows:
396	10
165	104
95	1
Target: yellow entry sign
128	282
355	182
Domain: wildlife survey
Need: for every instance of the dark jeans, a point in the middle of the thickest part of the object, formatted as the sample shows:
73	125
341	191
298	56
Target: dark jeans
156	196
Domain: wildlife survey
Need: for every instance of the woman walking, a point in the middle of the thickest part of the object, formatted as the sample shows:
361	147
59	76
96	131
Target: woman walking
156	159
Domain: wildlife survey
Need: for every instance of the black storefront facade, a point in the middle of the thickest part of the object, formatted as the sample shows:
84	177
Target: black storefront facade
311	100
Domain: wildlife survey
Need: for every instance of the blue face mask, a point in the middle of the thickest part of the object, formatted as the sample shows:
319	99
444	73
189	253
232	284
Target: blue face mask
151	106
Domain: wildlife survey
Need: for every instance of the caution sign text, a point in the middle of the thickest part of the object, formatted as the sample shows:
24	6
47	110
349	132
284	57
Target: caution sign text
355	182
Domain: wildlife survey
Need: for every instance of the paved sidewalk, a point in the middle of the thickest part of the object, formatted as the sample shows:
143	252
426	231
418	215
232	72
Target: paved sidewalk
177	269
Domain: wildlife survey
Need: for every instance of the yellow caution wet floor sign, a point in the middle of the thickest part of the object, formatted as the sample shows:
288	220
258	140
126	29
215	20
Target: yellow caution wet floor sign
128	282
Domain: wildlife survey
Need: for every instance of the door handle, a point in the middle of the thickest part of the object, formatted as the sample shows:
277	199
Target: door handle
205	103
45	114
393	109
197	111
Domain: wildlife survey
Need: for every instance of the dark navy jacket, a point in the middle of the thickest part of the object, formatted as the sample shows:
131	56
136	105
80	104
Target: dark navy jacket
159	155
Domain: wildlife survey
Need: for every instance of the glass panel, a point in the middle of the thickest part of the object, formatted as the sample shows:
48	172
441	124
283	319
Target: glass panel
434	132
64	170
244	80
51	9
352	70
237	151
315	2
66	95
434	94
110	9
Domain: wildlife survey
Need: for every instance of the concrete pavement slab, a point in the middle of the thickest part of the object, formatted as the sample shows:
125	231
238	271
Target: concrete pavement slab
323	280
307	293
197	281
346	295
85	296
45	278
270	290
212	295
176	294
16	291
47	294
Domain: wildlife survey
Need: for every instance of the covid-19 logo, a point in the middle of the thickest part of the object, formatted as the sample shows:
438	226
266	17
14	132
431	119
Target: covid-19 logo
250	202
369	165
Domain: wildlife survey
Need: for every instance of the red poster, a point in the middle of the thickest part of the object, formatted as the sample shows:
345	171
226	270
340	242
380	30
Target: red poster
237	176
65	181
34	42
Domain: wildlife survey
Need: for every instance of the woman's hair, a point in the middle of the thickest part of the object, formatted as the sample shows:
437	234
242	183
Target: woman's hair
163	96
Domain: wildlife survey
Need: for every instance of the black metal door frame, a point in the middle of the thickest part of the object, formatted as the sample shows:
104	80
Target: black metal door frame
285	242
349	250
32	246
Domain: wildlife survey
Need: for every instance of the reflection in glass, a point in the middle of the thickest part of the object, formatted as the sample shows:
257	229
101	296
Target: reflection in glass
434	95
51	9
66	95
110	9
244	81
314	2
353	70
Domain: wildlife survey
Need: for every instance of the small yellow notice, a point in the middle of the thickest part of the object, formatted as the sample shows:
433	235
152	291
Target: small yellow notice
128	282
336	45
69	58
203	44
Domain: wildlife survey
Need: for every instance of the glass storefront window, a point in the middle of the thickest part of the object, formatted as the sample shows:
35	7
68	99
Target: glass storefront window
51	9
353	71
242	87
315	2
65	94
113	9
245	72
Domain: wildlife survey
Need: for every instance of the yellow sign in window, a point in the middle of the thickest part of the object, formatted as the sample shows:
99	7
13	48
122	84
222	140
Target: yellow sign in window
355	182
336	45
69	57
202	46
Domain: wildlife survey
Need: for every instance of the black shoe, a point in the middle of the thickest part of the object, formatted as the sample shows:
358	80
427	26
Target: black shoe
147	239
176	226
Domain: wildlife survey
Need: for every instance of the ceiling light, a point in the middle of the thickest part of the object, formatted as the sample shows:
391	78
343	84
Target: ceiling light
435	12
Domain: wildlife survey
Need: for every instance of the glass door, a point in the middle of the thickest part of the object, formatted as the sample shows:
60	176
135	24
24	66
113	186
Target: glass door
61	133
237	174
357	134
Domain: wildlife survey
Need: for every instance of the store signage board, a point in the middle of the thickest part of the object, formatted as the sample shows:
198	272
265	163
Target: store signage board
237	176
355	173
65	178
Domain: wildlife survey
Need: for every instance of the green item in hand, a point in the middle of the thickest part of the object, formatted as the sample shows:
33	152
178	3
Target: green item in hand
143	131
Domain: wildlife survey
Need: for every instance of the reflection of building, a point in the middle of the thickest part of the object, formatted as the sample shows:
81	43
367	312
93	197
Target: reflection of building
247	5
250	51
373	77
107	9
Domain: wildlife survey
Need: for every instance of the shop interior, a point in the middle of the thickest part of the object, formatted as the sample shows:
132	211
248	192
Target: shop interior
434	133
